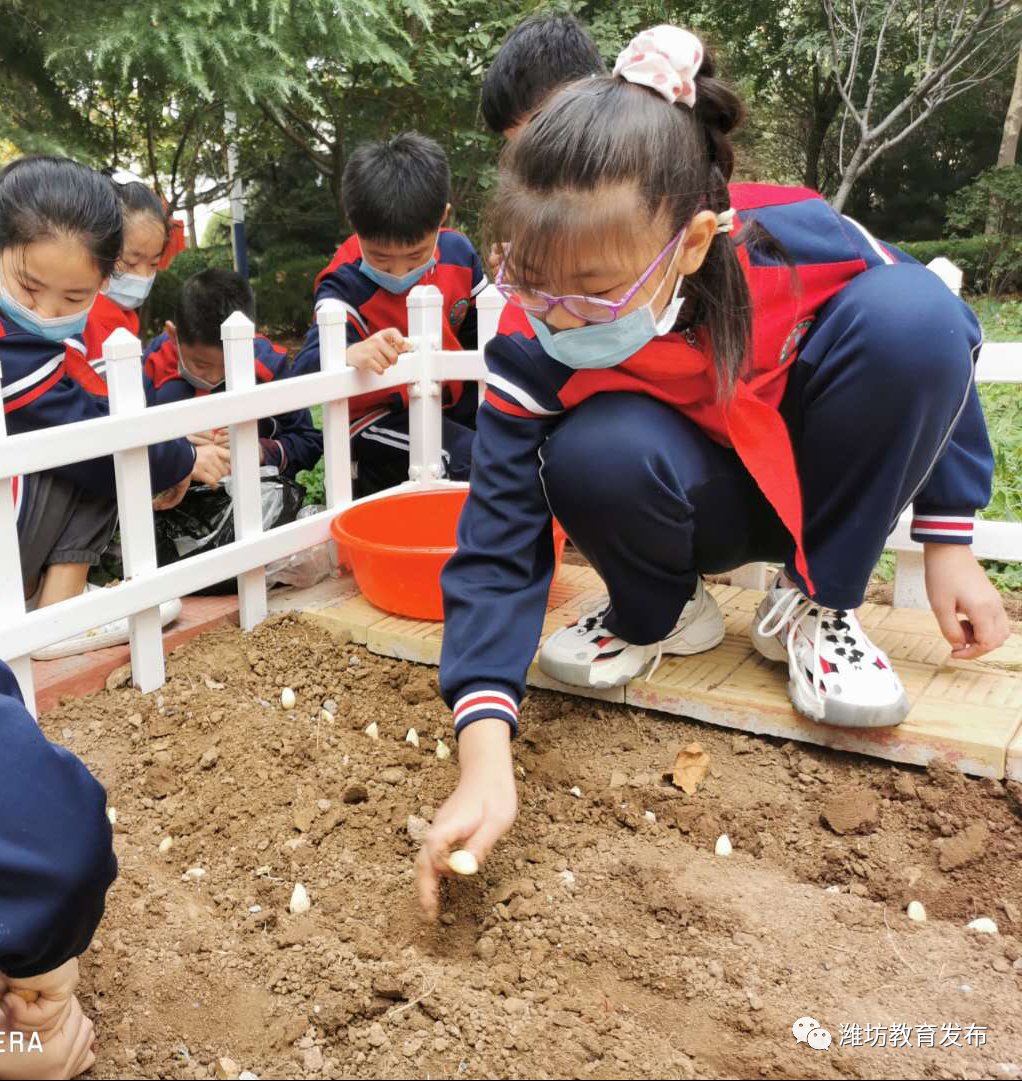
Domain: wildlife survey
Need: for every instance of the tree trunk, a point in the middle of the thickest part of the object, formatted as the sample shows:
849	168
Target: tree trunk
1009	142
1012	121
825	107
848	178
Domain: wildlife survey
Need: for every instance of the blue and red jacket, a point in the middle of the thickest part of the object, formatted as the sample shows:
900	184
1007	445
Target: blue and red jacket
290	441
495	587
458	275
56	853
106	317
46	384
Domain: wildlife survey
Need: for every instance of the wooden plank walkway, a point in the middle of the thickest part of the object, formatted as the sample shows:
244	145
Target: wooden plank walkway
970	713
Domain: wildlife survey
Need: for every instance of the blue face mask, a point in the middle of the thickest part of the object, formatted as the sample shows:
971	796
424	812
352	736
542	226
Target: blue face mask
605	345
391	282
55	329
129	290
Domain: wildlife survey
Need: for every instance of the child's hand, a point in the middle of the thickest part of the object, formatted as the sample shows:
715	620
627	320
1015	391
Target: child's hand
218	437
379	351
477	813
67	1046
212	464
957	584
170	497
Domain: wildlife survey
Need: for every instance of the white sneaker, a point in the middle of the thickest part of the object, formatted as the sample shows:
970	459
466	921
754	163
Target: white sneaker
109	634
836	675
586	654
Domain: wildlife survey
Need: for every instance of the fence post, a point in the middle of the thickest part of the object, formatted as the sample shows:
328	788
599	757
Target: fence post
237	333
490	305
122	354
948	273
332	320
909	580
425	407
11	587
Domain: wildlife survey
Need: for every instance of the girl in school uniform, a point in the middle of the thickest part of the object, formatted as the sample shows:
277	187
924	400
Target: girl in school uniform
146	233
60	239
693	376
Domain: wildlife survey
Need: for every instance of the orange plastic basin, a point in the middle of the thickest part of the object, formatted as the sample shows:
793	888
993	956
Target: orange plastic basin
396	547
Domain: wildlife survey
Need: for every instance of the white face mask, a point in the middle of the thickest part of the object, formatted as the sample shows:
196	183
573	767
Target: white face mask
605	345
55	329
129	290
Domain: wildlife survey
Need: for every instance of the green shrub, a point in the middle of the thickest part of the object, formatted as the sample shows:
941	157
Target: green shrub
991	264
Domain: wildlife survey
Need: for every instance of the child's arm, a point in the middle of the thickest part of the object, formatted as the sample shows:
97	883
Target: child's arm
39	394
292	442
468	332
942	521
495	591
56	864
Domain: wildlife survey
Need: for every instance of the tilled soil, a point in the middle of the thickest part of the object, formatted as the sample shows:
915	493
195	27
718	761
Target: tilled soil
603	939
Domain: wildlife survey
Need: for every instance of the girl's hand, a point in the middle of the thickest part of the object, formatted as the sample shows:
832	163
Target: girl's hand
40	1003
219	437
379	351
477	813
957	585
212	464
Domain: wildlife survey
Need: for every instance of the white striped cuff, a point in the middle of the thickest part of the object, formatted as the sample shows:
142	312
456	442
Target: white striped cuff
942	529
476	705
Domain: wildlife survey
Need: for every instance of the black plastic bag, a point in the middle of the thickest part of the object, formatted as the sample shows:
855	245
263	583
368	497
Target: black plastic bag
204	520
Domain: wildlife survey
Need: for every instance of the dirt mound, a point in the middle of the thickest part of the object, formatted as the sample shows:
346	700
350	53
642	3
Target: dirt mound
603	939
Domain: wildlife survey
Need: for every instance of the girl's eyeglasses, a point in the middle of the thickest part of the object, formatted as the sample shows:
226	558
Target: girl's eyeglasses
590	309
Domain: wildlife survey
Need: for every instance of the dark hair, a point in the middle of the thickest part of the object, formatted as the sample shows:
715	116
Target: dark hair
540	54
605	132
43	198
136	198
206	300
397	190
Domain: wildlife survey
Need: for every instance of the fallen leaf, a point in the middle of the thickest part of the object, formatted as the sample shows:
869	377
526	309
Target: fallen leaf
690	767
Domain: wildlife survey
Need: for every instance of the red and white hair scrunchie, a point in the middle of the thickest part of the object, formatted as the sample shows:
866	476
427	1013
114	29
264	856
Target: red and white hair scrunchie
666	59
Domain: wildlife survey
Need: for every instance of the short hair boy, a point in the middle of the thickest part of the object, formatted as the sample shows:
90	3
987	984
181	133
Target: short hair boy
397	197
188	360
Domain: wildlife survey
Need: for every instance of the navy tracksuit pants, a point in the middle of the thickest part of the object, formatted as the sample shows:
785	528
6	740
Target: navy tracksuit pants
56	855
882	381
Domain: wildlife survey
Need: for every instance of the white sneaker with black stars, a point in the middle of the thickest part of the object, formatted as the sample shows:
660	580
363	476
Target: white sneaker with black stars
586	654
836	675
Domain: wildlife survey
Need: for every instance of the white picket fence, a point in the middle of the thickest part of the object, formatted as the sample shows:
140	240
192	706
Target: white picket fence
131	428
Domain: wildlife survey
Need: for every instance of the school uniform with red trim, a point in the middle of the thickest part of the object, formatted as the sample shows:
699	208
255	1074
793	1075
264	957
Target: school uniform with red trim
858	402
290	441
56	852
379	419
105	317
46	384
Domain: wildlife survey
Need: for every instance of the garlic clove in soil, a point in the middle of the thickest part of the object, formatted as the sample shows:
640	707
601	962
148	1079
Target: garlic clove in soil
723	846
442	750
287	698
193	874
983	924
916	912
166	845
649	816
463	862
111	814
576	792
412	737
373	730
299	902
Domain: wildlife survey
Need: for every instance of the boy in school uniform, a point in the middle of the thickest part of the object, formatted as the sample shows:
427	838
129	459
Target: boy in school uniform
542	53
187	361
397	197
56	865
